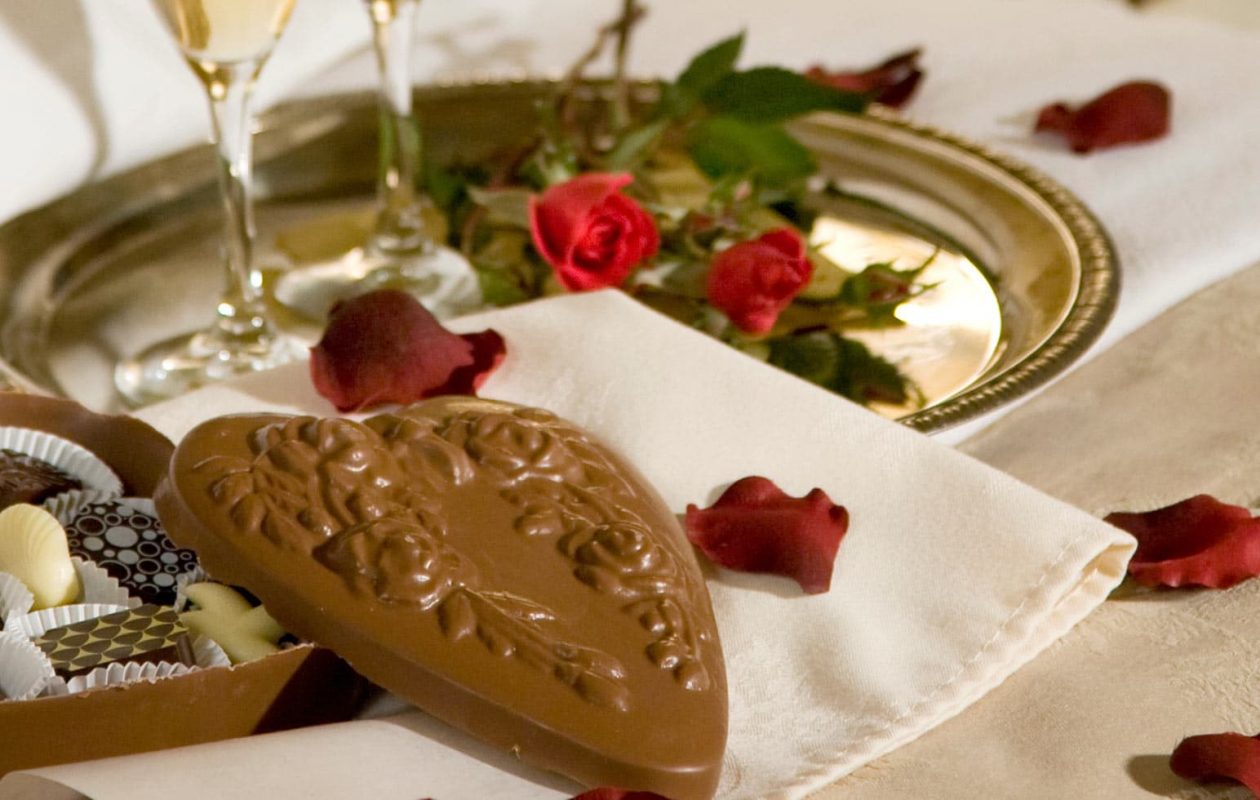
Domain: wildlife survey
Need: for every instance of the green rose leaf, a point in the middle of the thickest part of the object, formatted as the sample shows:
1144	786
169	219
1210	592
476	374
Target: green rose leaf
635	145
723	146
503	206
842	365
773	94
712	65
706	69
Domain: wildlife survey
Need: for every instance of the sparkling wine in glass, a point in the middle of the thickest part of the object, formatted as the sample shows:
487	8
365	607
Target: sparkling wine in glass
402	251
226	43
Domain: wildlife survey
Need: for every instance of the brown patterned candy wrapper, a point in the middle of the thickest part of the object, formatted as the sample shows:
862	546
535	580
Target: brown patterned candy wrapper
148	633
124	537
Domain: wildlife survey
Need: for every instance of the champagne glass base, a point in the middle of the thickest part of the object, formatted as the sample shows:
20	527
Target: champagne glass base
439	277
173	367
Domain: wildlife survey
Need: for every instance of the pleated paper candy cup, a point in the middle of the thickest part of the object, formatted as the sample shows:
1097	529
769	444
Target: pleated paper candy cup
98	587
74	460
24	670
206	654
194	575
15	598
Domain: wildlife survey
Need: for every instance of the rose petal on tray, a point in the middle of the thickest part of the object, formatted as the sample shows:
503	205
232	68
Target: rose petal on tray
605	793
756	527
385	347
891	82
1139	111
1197	542
1219	756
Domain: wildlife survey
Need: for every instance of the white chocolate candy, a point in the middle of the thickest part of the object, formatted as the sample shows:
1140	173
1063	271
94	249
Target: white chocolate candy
244	632
33	549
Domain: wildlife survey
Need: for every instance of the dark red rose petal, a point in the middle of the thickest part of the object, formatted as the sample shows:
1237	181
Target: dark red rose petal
755	527
618	794
892	83
1130	113
1219	756
385	347
1197	542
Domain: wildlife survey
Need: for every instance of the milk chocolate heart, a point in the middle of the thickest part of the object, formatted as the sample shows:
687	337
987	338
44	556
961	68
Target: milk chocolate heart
490	563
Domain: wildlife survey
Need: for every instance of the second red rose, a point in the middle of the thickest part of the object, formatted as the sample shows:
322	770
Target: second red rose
752	282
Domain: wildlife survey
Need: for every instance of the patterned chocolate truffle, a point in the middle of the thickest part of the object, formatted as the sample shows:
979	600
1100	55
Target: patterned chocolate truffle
26	479
130	544
148	633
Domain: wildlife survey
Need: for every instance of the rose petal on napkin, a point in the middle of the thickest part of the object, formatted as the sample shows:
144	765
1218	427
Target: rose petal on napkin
1139	111
891	82
1197	542
385	347
1219	756
756	527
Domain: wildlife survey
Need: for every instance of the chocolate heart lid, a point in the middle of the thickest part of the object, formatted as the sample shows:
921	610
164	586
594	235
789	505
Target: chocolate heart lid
490	563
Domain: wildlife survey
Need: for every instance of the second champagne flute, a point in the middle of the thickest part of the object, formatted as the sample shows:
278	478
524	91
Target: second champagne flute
401	251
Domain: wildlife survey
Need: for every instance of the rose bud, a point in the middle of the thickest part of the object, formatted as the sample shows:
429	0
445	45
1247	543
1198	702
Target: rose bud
753	281
590	233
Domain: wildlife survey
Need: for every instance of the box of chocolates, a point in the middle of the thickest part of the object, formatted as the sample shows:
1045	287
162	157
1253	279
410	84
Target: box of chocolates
114	639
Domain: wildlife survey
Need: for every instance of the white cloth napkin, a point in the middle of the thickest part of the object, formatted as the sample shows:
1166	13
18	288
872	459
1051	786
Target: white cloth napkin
951	577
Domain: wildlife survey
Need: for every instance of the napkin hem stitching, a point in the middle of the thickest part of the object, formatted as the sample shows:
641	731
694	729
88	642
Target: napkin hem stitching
805	780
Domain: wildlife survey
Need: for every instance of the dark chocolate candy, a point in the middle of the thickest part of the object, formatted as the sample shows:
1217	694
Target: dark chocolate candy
26	479
148	633
490	563
130	545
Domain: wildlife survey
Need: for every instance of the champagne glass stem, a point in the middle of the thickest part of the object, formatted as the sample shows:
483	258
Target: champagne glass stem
241	315
400	225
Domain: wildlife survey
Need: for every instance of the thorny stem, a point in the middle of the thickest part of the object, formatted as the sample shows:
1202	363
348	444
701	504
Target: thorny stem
621	101
622	27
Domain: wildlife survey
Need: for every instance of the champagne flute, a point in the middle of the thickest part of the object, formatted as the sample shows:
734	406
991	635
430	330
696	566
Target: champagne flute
401	251
226	43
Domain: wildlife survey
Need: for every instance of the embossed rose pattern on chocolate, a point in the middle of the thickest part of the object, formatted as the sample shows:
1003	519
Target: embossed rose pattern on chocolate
385	536
491	563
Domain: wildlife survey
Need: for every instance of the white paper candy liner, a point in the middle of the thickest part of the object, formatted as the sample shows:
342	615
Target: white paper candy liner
205	654
15	598
24	670
37	623
98	587
72	459
194	575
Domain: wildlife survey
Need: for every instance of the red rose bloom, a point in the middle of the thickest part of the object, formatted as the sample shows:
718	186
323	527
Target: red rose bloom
752	282
591	233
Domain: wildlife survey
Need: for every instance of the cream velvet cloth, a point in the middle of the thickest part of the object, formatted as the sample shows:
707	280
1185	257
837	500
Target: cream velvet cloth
951	577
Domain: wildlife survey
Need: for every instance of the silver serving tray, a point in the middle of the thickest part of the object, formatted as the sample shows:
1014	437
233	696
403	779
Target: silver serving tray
130	260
